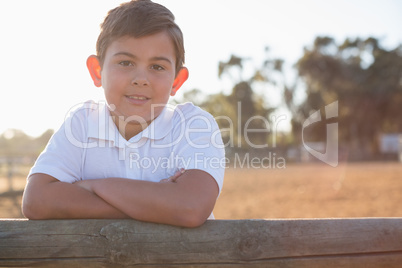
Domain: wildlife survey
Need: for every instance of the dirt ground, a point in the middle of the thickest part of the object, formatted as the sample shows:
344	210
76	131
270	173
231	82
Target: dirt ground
297	191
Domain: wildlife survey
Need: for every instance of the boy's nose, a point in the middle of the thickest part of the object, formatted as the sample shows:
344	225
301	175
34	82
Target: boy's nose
140	79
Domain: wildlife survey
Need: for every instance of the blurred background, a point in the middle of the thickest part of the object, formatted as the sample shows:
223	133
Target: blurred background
262	69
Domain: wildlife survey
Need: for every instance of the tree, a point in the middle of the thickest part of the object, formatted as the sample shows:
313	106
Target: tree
243	115
364	78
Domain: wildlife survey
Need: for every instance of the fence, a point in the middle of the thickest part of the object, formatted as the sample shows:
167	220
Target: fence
340	243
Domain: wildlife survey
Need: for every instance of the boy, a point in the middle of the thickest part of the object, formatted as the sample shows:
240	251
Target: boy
134	156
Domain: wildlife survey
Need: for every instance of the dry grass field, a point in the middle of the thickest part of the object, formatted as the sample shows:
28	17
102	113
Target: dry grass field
297	191
313	191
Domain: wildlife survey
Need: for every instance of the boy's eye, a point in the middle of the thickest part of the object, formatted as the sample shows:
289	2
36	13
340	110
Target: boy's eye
126	63
157	67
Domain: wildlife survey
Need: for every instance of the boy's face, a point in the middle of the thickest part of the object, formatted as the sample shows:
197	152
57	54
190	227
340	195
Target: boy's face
137	76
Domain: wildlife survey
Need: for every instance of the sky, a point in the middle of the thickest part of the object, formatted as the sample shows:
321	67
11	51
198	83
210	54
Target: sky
45	43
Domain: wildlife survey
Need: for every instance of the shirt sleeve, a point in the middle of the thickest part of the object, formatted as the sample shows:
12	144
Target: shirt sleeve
62	157
200	145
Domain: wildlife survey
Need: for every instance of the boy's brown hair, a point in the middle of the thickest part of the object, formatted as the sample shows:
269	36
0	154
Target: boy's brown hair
140	18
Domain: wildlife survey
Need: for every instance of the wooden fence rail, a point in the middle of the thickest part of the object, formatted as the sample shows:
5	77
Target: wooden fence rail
305	243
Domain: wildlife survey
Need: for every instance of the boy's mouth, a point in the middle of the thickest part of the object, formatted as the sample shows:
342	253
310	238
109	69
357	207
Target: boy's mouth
137	99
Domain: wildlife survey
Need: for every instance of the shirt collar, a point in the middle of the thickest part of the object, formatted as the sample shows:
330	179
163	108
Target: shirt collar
161	126
101	125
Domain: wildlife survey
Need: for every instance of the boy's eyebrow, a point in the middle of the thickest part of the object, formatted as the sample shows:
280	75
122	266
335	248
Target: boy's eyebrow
134	57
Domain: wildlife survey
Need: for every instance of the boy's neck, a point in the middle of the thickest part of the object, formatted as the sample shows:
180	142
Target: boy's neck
128	130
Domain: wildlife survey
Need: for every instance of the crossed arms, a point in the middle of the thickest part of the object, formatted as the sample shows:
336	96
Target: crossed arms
187	199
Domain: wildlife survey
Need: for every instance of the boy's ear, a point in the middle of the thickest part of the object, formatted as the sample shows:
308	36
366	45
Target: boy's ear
94	69
181	77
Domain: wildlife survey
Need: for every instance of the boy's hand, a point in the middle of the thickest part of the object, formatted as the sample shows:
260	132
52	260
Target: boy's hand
175	176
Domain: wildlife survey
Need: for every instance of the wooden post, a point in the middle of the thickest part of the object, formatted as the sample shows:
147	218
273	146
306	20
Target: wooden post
304	243
10	174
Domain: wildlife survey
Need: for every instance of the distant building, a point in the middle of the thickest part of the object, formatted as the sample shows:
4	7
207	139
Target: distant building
391	144
300	154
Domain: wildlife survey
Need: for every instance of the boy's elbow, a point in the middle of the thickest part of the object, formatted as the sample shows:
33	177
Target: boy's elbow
28	213
34	200
194	217
30	210
193	221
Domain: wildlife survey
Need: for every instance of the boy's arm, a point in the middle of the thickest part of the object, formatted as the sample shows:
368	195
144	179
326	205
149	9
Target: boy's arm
186	202
45	197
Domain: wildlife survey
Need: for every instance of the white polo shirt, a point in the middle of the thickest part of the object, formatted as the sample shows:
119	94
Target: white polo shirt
89	146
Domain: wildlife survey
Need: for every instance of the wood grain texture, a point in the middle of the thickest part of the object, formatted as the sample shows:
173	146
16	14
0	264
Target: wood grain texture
357	242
